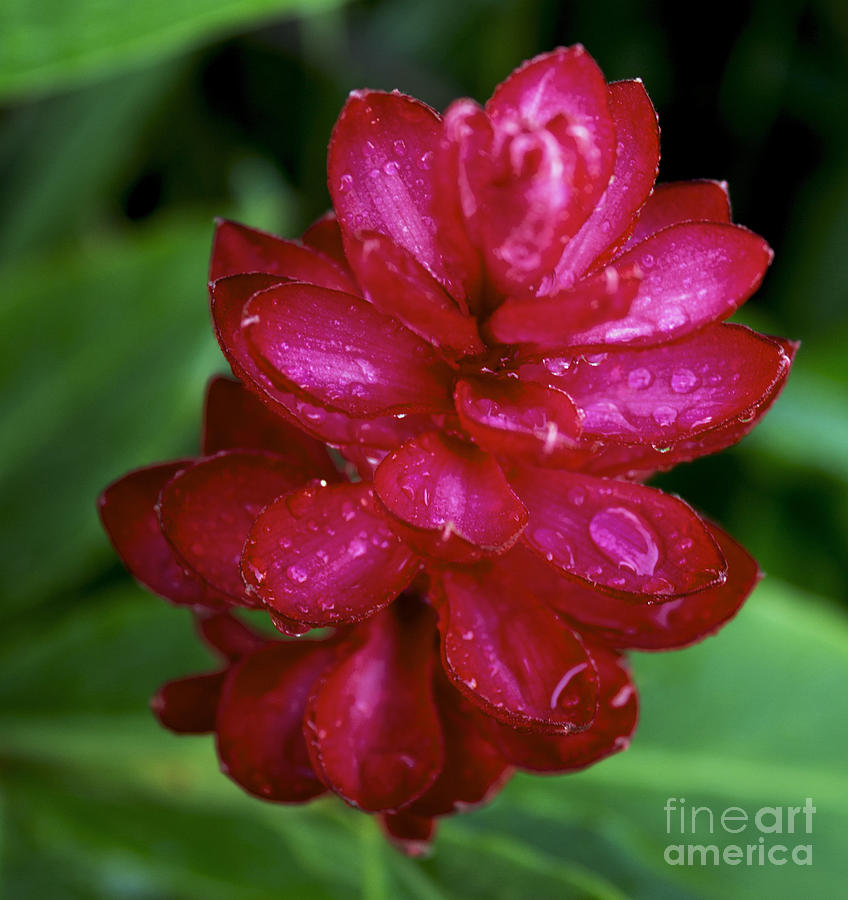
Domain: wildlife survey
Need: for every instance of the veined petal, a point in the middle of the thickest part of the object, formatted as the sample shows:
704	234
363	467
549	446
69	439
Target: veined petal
673	392
620	537
555	320
207	509
681	201
610	732
260	720
446	487
508	652
372	725
238	249
236	419
636	163
229	296
663	626
338	351
524	421
324	555
398	286
189	705
381	177
127	510
693	274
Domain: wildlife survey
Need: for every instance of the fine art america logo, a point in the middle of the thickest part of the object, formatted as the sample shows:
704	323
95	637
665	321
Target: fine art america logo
770	835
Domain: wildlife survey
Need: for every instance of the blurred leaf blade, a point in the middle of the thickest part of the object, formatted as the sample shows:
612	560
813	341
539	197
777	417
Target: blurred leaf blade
49	44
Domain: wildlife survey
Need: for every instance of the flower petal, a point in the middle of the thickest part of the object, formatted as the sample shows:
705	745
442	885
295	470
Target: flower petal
381	178
399	286
372	725
229	296
189	705
636	163
227	636
554	321
528	422
238	249
127	510
681	201
338	351
236	419
664	626
509	653
207	509
324	554
566	81
662	395
693	274
325	236
444	486
260	720
474	769
610	732
410	834
621	537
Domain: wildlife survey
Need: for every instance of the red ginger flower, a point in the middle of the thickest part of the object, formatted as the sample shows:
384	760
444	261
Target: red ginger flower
505	327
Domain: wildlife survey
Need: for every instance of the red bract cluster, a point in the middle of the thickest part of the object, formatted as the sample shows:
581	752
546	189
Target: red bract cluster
503	329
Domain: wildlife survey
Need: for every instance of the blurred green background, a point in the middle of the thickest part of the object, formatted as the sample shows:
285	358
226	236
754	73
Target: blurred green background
124	128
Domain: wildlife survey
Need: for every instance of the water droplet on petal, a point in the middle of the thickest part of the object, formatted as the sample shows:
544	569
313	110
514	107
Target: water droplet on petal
664	415
683	381
639	379
296	574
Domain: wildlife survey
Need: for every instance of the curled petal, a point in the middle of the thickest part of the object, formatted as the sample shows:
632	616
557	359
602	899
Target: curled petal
412	835
555	320
521	420
227	636
508	652
692	274
636	163
663	626
620	537
260	720
236	419
399	286
674	392
324	554
610	732
372	724
381	177
681	201
229	296
189	705
474	768
338	351
127	510
207	509
446	487
238	249
565	82
325	236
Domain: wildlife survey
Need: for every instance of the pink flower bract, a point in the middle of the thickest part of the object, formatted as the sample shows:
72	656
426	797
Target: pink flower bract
503	328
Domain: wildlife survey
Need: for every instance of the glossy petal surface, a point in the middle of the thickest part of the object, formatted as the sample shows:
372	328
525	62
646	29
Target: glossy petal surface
127	510
372	724
260	720
326	555
441	485
621	537
610	732
508	652
521	420
238	249
366	365
207	510
692	274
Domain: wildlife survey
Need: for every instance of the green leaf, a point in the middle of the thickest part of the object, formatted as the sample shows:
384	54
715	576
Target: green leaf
104	351
52	44
754	717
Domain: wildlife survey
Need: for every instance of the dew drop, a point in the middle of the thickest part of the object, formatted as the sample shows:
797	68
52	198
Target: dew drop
664	415
391	168
639	379
683	381
345	182
400	147
297	574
